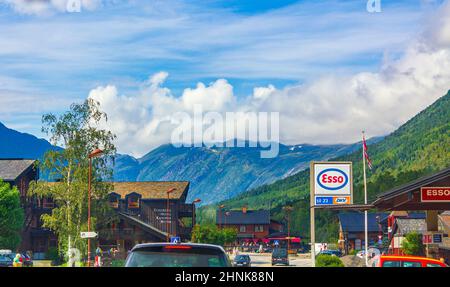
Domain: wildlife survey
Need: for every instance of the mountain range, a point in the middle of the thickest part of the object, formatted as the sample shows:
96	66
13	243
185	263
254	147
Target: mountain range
418	148
215	174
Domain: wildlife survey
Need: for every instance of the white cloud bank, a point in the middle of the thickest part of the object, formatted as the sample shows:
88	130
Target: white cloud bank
331	109
47	7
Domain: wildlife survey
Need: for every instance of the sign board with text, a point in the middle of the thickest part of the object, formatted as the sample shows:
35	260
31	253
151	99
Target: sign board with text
91	234
332	183
435	194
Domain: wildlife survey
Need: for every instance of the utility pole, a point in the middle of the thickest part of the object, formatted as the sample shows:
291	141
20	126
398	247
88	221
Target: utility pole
95	153
366	235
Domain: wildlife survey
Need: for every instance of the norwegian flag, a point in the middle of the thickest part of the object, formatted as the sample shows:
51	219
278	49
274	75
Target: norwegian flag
366	153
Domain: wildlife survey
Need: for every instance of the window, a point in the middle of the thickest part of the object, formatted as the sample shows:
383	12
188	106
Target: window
133	202
259	228
412	264
242	228
114	202
391	264
433	265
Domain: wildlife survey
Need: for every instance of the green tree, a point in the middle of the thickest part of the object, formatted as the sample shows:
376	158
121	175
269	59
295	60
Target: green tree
11	216
209	233
78	132
412	244
325	260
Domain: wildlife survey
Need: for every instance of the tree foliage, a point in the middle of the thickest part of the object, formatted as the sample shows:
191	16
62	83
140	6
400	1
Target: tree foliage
325	260
11	216
211	234
79	132
412	244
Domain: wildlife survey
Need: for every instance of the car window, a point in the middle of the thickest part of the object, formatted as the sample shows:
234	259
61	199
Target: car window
175	259
412	264
390	263
433	265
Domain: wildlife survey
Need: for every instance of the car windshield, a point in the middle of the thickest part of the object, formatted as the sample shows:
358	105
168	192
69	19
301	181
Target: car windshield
241	257
193	257
279	252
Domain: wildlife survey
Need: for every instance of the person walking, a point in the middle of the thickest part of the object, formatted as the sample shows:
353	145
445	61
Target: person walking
16	261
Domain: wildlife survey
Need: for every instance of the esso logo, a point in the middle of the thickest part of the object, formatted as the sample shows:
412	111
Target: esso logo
332	179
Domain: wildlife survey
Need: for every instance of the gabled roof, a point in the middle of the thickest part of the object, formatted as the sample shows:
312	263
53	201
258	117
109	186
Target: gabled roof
408	225
239	217
152	189
11	169
407	196
354	222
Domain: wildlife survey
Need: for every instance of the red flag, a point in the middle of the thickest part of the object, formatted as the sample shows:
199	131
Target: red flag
366	154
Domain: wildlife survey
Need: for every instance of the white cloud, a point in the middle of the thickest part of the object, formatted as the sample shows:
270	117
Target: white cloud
48	7
330	109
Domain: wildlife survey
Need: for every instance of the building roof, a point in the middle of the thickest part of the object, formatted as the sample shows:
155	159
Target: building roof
407	196
11	169
408	225
152	189
354	222
239	217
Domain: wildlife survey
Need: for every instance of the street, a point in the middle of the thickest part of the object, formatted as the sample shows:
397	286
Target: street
264	260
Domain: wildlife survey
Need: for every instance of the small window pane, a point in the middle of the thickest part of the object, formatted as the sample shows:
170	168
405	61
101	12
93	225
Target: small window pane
391	264
433	265
411	264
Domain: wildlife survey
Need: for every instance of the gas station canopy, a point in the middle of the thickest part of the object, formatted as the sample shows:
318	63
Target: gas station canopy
408	196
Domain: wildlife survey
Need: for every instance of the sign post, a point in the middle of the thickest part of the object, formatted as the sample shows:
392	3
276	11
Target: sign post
90	234
331	183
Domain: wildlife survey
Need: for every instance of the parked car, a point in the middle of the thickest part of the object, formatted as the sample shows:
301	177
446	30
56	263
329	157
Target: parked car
242	260
5	261
177	255
280	256
405	261
337	253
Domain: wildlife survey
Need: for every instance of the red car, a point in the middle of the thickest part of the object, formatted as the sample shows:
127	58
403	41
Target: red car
406	261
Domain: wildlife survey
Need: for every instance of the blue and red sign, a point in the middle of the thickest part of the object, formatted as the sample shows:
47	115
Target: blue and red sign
332	179
331	183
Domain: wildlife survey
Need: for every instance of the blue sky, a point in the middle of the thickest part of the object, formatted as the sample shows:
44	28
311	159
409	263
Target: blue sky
50	58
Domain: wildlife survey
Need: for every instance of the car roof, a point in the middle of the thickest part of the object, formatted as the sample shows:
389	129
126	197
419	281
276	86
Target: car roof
159	244
400	257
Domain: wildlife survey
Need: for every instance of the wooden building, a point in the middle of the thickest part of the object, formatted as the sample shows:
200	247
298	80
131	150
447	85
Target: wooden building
147	214
250	224
19	173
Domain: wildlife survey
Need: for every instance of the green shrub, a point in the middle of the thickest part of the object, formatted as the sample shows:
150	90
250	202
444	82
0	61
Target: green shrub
324	260
353	252
118	263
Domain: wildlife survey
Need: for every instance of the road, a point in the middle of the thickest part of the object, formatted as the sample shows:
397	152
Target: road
265	260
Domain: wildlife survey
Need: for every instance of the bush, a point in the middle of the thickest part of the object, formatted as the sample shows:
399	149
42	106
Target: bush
412	244
328	261
353	252
53	254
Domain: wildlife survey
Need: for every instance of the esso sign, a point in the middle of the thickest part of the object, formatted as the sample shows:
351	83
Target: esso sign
332	179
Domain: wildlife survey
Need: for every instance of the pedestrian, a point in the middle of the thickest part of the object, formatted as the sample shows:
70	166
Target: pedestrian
16	261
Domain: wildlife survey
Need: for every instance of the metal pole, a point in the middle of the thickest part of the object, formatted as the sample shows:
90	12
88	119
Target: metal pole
289	231
312	227
168	216
89	212
366	235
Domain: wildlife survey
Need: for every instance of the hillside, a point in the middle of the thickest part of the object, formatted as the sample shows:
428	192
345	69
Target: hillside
14	144
222	173
215	173
419	147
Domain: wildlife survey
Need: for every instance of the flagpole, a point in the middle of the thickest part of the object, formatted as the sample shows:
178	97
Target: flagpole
366	245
